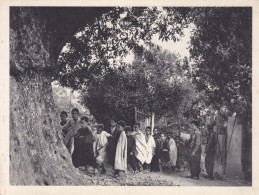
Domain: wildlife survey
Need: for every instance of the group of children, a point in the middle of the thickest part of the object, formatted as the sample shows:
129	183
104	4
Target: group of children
120	146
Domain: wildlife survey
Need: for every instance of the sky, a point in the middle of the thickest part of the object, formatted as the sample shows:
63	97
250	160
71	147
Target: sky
177	47
180	47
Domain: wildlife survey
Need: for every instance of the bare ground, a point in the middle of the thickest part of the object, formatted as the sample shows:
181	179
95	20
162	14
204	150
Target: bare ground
156	179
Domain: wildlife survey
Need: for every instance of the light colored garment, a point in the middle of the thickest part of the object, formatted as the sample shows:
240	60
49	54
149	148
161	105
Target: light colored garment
196	141
185	136
141	147
100	146
151	145
72	127
70	145
121	153
172	152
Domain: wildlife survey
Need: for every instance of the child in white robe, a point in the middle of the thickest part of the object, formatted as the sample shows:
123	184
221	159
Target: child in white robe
100	147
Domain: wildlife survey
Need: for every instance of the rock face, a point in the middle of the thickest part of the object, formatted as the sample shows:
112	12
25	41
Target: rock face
37	153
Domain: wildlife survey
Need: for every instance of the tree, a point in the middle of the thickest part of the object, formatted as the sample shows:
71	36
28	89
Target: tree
218	48
37	153
155	82
221	49
103	44
36	36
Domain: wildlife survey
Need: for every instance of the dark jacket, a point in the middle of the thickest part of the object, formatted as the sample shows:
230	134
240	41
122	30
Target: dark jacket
211	142
131	144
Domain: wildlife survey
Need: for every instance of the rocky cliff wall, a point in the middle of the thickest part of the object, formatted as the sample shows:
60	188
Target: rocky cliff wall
37	154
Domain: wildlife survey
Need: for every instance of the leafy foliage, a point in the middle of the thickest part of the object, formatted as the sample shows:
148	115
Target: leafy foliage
220	52
103	44
155	82
221	48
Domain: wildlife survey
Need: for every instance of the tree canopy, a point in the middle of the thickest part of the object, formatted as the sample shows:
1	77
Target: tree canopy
104	43
155	82
220	48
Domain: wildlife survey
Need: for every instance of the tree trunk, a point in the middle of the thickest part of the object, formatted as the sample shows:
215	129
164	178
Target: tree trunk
37	153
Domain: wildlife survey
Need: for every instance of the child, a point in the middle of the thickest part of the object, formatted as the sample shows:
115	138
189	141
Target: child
63	118
141	148
154	166
83	154
100	147
164	152
151	145
172	152
120	163
180	153
131	147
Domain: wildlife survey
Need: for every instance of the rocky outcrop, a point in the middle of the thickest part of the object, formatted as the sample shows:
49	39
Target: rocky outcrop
37	153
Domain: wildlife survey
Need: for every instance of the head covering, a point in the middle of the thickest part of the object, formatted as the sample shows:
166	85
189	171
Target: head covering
196	123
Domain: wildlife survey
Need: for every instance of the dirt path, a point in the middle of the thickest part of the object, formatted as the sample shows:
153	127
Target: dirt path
157	179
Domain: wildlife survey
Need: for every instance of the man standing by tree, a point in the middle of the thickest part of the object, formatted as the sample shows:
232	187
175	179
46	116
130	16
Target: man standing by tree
72	126
210	151
195	151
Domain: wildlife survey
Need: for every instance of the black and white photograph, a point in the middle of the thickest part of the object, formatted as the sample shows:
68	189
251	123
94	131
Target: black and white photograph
130	96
